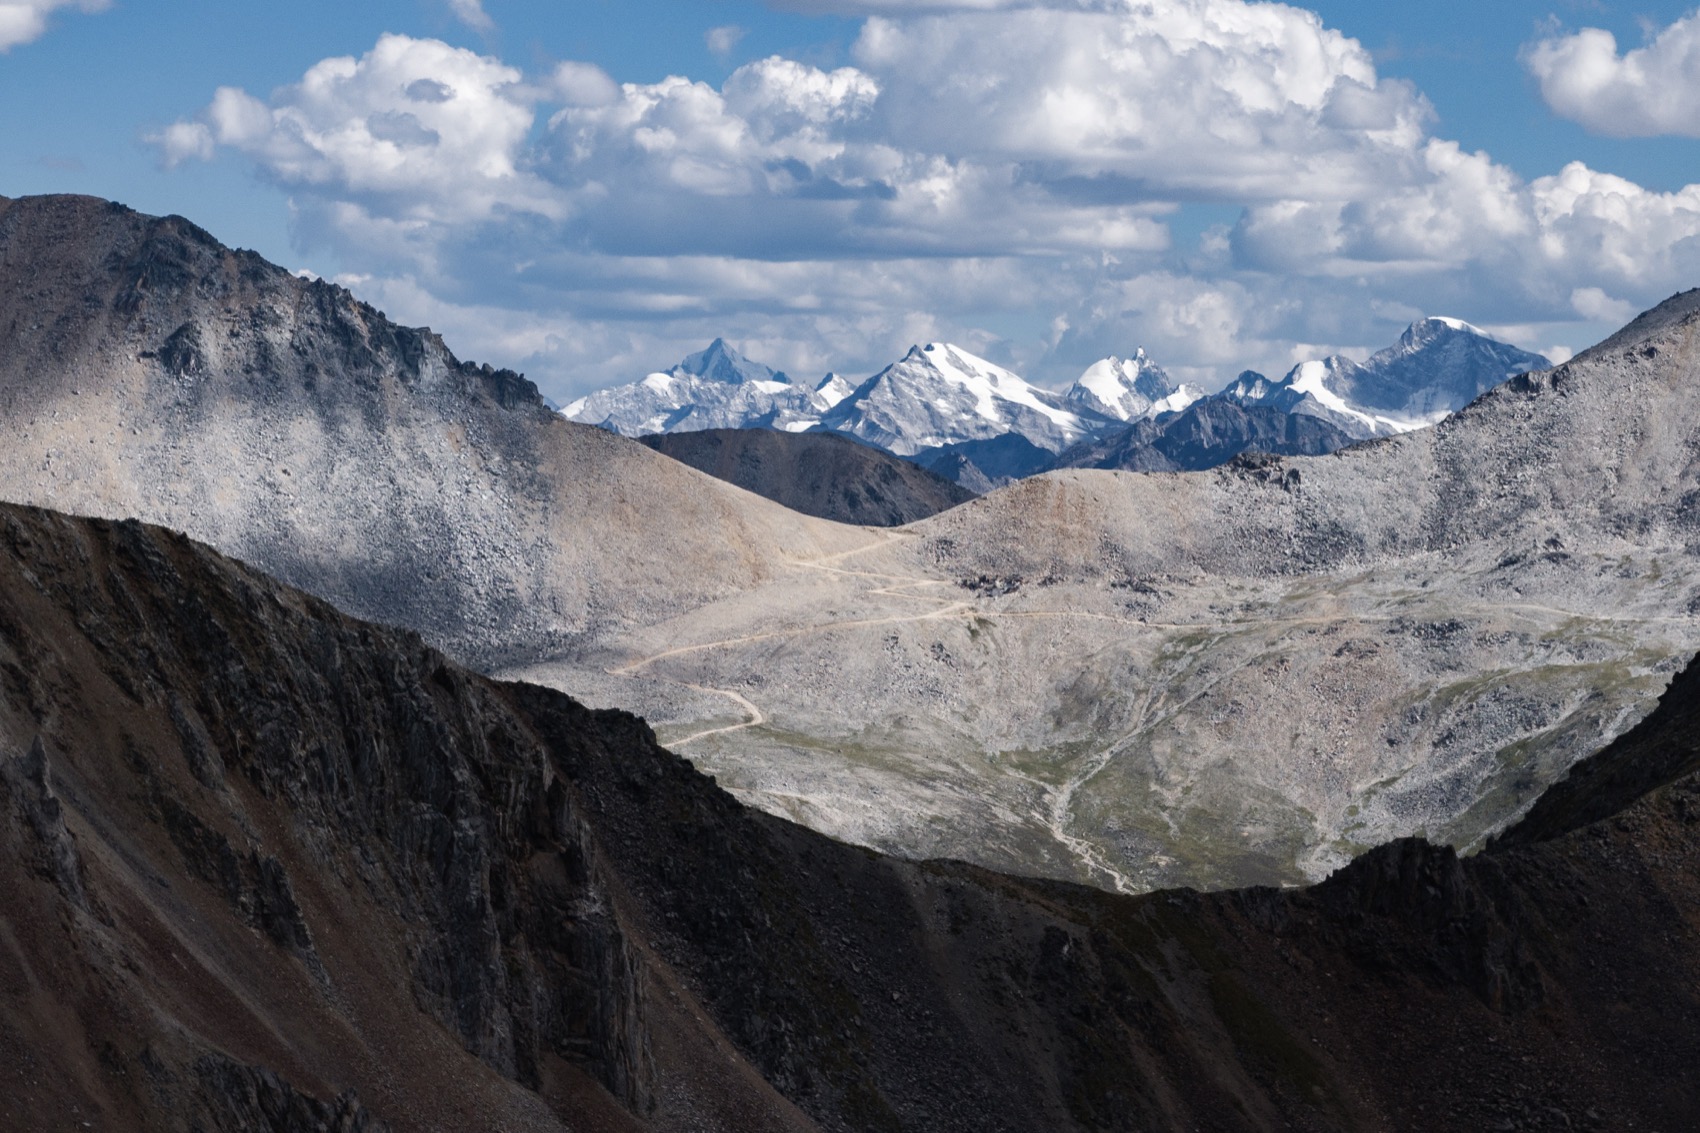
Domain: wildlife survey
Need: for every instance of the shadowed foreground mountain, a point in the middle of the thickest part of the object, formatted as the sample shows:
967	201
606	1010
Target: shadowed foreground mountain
818	474
265	867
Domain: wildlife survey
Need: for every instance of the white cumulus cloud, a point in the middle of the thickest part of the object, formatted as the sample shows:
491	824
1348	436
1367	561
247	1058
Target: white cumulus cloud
413	131
472	14
1643	92
24	21
1005	175
723	40
1196	96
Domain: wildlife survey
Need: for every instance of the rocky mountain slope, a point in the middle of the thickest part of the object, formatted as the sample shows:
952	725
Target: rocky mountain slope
1205	434
1438	366
149	371
817	474
266	867
715	389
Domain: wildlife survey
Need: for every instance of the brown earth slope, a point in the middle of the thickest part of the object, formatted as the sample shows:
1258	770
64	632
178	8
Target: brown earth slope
263	866
818	474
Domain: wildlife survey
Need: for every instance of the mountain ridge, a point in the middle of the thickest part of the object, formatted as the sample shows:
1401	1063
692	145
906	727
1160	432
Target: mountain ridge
941	406
150	371
939	395
1438	366
1413	625
820	474
1077	702
713	388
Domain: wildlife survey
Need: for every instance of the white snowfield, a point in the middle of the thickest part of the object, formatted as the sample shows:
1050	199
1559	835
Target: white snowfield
1311	379
940	394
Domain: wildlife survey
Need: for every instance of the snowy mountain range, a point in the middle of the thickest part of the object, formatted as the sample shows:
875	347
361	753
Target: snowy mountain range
982	425
1437	367
717	388
941	395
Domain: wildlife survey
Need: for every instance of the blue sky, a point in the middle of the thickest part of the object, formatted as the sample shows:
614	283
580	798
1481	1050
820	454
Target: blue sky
589	189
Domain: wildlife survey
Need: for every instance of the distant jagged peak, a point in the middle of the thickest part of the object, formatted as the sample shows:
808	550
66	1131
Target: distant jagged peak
1130	389
1439	365
833	389
721	362
959	365
940	394
1434	325
716	388
993	388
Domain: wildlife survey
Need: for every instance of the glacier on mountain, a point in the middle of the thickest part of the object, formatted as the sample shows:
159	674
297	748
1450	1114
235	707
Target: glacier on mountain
982	425
717	388
1438	366
1130	389
940	395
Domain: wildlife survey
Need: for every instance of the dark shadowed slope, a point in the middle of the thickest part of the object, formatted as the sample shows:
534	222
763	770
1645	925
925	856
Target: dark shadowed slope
818	474
1204	435
266	867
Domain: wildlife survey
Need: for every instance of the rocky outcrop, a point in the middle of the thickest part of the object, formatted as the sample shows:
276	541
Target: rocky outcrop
253	1098
412	898
818	474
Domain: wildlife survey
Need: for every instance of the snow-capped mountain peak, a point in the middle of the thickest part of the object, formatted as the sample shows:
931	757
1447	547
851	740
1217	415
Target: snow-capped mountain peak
716	388
1438	366
721	363
833	389
1421	325
940	394
1129	389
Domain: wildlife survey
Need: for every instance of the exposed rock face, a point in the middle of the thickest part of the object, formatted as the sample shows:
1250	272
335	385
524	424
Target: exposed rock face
982	466
1242	676
148	371
817	474
295	838
1206	434
510	912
